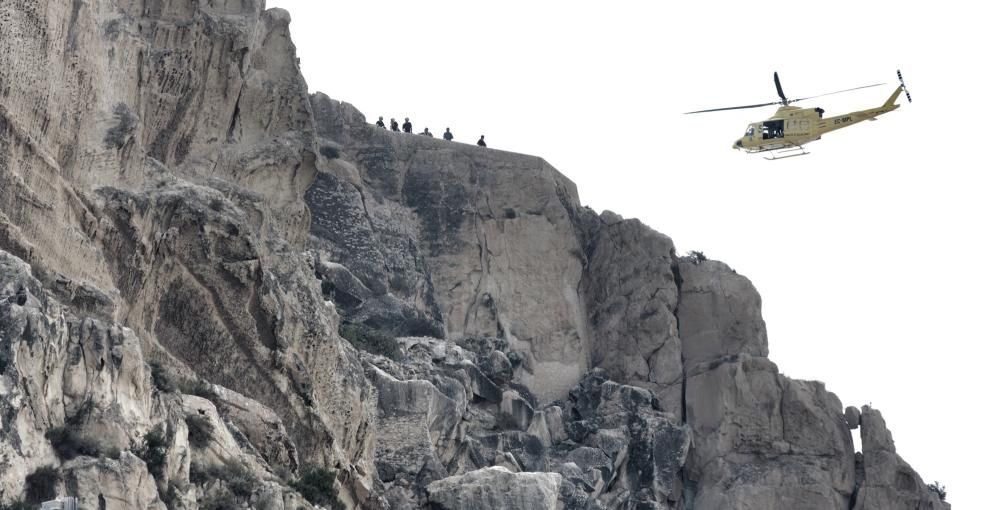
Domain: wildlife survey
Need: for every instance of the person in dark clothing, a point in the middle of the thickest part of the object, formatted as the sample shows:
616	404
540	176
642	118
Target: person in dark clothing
407	127
427	132
393	125
482	141
447	134
380	123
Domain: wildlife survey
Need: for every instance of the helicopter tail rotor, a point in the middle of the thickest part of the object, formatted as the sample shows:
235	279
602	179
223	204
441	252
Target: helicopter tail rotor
901	84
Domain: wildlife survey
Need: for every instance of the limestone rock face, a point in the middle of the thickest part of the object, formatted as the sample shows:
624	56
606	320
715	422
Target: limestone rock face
57	368
480	241
120	484
632	300
719	313
496	487
888	481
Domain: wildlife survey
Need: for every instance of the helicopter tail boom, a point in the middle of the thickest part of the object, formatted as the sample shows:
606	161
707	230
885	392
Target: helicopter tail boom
892	99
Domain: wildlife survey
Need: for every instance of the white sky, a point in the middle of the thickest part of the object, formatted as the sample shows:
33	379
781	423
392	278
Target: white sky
876	255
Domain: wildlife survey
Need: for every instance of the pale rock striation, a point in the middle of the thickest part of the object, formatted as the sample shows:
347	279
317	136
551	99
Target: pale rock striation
496	487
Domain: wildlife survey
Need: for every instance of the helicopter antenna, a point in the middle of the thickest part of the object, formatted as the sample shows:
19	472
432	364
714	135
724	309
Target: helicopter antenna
901	84
781	93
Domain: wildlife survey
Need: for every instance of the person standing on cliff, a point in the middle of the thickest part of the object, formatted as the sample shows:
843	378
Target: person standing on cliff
407	127
482	141
427	132
447	134
394	125
380	123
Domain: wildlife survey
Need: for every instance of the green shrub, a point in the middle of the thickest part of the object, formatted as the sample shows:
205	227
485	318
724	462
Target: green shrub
41	485
370	339
200	430
153	451
938	489
19	504
317	485
198	388
221	500
697	257
161	379
329	152
237	478
70	443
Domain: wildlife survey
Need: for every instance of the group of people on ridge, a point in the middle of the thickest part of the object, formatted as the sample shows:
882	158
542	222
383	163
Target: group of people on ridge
408	128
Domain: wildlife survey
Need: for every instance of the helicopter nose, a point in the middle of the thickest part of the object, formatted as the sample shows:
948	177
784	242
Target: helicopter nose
738	144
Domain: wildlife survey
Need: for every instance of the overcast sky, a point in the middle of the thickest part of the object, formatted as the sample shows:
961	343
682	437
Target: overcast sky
876	255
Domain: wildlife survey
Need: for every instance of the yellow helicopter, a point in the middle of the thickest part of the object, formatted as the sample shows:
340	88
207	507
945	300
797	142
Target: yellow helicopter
791	127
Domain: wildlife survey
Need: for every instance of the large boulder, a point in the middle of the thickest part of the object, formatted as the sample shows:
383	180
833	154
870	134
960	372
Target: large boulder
496	488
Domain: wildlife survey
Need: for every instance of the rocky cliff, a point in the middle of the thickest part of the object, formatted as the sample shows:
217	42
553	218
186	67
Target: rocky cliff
217	291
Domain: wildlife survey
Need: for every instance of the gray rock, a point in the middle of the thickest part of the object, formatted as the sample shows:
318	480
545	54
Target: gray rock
719	313
515	412
496	487
632	298
497	367
889	483
853	417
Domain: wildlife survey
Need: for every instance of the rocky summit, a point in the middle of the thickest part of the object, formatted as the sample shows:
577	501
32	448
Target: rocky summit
218	291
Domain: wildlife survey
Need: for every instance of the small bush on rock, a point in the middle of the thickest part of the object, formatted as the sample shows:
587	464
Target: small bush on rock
19	504
41	485
317	485
161	379
237	478
70	443
153	451
221	500
697	257
938	489
369	339
197	388
200	430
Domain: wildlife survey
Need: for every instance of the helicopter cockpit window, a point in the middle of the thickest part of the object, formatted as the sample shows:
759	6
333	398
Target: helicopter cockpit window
749	132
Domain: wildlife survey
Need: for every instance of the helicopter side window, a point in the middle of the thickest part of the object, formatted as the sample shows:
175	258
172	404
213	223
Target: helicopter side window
749	132
773	129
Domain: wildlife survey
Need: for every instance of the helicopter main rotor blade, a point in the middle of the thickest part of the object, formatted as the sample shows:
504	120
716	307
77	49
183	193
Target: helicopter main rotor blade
837	92
734	107
781	93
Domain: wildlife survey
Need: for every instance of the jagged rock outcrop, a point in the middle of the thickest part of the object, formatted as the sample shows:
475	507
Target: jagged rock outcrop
887	481
184	232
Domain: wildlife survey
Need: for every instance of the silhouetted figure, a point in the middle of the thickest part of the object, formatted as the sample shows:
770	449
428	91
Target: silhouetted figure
447	134
407	127
380	123
393	125
482	141
427	133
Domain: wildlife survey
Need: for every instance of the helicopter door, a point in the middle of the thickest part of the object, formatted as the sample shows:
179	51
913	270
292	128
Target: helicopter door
773	129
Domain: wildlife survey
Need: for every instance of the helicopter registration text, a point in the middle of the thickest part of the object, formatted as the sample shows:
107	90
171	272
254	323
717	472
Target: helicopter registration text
842	120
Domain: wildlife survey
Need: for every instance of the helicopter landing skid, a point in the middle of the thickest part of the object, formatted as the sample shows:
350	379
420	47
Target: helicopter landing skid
788	152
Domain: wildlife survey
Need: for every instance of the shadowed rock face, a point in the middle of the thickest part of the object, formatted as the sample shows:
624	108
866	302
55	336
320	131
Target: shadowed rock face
183	230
